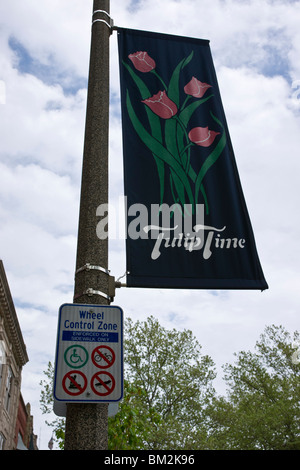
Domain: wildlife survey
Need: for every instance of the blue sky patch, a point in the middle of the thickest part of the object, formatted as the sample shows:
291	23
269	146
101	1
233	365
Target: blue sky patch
50	73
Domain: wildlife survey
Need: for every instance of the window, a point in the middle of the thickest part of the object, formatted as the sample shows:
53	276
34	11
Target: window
2	361
2	441
8	388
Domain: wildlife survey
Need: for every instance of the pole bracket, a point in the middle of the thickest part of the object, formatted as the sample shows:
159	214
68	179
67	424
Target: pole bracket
88	267
90	291
110	24
120	284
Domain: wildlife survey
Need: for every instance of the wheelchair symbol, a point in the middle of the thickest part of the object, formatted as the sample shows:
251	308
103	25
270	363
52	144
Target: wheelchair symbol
76	356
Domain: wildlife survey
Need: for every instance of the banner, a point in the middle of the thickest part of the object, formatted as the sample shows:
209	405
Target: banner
187	221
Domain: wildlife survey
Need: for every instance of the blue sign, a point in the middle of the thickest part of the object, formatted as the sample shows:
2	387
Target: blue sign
93	337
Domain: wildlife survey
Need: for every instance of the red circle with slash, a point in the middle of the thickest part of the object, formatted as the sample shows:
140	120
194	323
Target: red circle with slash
103	357
74	387
103	383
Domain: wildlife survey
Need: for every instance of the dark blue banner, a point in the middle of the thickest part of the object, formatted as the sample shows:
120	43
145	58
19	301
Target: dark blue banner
187	221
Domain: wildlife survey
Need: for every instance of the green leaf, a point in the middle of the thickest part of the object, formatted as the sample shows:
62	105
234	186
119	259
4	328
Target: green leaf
211	159
159	150
144	90
155	125
154	120
173	90
187	113
179	188
171	126
171	137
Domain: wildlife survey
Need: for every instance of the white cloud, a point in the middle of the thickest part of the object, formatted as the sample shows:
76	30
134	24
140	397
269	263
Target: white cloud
40	124
255	45
54	32
48	199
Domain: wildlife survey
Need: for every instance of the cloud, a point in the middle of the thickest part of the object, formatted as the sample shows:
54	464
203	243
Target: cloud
49	200
53	32
40	124
44	67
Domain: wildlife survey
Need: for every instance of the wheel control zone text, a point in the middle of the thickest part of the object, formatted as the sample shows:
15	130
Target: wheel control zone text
151	459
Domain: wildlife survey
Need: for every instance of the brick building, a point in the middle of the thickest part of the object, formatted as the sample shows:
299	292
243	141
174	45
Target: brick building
15	420
24	437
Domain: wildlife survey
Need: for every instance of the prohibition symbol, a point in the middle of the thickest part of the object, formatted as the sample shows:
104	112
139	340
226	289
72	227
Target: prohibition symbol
103	357
103	383
74	382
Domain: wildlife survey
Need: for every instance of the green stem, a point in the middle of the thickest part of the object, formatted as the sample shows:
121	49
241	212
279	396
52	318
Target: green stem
205	199
185	102
182	126
159	150
187	147
159	77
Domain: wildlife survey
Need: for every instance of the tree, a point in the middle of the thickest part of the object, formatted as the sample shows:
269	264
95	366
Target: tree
127	429
168	384
175	384
169	401
46	403
263	406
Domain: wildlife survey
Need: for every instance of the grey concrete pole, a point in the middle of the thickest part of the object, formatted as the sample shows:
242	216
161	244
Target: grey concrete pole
86	424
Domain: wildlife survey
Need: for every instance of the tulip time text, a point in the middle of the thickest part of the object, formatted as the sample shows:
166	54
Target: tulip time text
187	231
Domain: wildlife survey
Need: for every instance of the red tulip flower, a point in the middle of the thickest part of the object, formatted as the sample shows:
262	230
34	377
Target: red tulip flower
142	61
202	136
161	105
196	88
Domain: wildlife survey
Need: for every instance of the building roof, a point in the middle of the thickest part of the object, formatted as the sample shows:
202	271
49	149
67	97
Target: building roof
10	319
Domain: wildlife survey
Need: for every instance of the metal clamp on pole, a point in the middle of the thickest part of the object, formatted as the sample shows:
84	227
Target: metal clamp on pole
111	21
91	292
88	267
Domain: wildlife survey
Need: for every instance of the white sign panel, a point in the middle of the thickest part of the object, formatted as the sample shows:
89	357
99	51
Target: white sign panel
89	354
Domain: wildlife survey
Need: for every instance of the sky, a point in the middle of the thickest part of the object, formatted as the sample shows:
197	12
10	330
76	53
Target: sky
44	62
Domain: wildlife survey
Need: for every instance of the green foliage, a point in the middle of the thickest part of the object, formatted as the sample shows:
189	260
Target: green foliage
263	406
169	401
127	429
46	404
177	382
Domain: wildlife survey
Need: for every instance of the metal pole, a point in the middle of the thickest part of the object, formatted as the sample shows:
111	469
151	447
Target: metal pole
86	424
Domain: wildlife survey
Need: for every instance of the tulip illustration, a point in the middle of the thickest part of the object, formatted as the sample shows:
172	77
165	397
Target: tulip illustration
196	88
142	61
202	136
161	105
166	129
